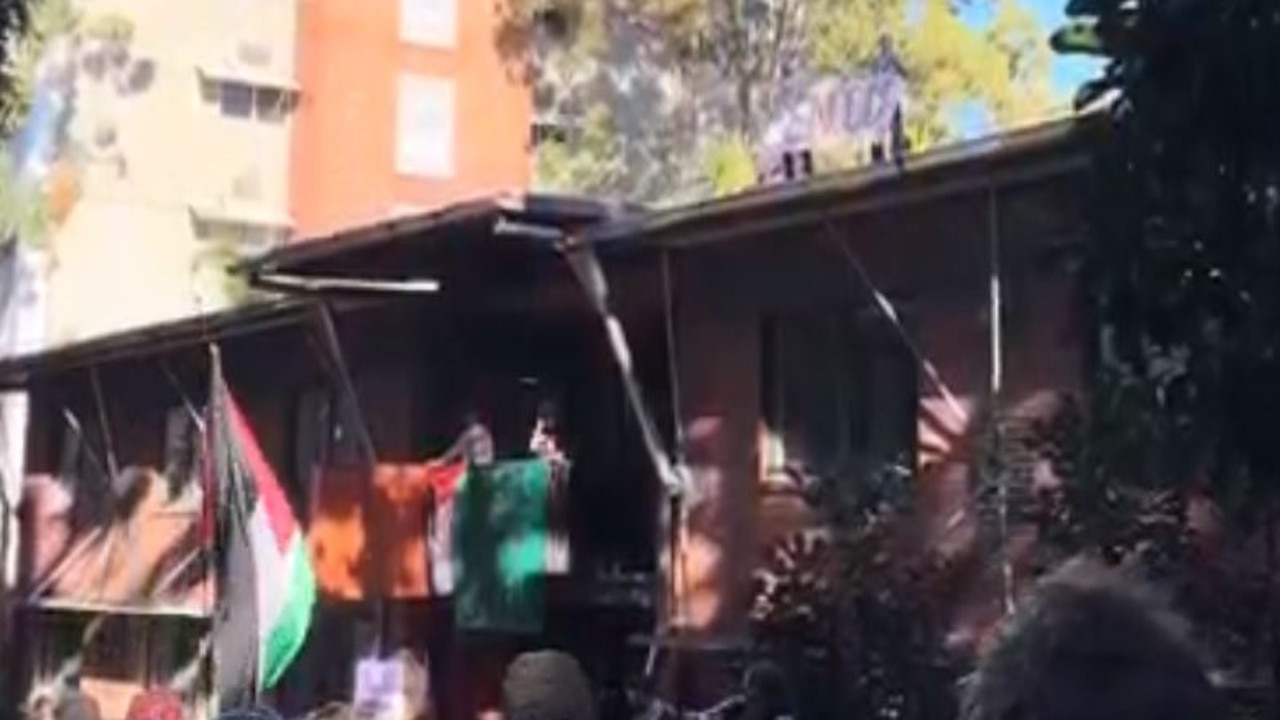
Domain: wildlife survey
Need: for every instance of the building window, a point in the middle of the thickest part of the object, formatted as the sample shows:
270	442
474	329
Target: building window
839	398
119	650
547	130
247	237
182	452
424	126
433	23
264	104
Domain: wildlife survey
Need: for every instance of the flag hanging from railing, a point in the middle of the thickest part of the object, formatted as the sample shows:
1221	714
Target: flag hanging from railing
266	586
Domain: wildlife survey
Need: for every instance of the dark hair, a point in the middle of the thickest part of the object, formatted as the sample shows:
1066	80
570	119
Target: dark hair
546	685
1092	643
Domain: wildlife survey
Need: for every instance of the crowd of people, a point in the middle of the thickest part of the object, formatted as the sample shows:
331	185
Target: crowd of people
1091	643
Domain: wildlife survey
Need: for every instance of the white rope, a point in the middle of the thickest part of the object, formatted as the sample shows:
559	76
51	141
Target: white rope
886	307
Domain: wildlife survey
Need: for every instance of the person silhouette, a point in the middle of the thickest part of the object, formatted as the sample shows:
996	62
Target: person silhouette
1093	643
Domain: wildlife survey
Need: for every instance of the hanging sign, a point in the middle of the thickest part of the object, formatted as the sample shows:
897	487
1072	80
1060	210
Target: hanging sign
861	107
379	689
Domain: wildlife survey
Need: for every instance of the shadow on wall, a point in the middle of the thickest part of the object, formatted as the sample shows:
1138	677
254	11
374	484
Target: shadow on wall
131	546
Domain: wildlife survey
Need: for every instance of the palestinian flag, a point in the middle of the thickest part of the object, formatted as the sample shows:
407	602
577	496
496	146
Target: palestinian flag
265	584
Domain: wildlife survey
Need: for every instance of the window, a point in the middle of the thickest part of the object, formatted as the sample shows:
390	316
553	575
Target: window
245	236
118	651
247	102
60	637
235	100
429	22
424	126
181	452
173	651
839	397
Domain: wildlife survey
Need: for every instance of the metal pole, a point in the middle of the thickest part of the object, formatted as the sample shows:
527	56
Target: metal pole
995	459
351	399
101	405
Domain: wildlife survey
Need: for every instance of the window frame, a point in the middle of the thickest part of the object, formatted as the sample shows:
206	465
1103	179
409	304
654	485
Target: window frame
433	24
263	104
868	340
416	161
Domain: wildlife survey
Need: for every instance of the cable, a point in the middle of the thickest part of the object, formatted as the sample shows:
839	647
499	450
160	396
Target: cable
886	307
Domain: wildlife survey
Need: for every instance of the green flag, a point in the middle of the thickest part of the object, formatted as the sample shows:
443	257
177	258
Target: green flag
500	546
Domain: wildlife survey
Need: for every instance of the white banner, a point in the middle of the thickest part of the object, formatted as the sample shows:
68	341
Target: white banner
379	690
857	108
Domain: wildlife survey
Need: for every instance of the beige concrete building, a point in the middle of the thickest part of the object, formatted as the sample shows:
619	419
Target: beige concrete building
176	153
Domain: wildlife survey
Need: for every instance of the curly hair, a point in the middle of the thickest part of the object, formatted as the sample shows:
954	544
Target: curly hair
546	685
1092	644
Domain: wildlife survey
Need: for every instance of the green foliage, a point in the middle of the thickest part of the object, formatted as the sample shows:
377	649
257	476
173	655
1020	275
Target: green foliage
15	16
109	27
1004	66
849	618
48	19
587	159
24	211
689	78
23	208
221	254
729	165
1181	267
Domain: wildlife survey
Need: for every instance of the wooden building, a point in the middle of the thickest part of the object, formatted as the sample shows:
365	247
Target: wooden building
839	321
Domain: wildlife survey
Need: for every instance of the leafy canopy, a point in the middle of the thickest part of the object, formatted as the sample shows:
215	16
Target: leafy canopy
684	87
1182	265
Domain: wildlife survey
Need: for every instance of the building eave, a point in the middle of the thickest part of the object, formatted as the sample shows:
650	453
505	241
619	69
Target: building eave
1053	148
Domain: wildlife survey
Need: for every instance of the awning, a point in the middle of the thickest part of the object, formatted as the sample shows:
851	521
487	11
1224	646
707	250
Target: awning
223	72
241	213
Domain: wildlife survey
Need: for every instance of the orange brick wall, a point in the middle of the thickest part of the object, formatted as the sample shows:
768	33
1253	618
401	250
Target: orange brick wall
342	167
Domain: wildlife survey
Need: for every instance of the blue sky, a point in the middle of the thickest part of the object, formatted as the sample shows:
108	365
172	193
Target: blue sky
1068	72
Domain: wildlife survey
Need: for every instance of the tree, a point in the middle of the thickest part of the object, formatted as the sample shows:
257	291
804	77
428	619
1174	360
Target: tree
24	206
14	16
1182	264
686	86
44	20
853	622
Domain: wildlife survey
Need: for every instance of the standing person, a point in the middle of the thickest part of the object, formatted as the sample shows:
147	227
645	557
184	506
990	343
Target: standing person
474	444
1092	644
545	442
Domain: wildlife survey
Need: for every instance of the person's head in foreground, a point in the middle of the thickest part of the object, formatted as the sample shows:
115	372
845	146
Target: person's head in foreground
546	685
1092	644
